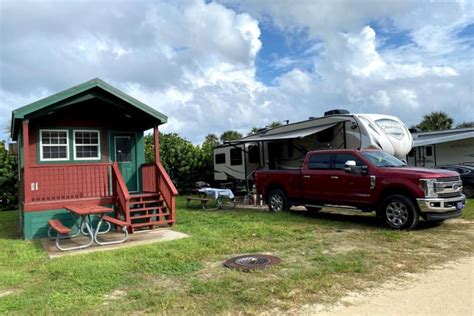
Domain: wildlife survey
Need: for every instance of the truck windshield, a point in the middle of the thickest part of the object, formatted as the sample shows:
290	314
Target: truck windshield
382	159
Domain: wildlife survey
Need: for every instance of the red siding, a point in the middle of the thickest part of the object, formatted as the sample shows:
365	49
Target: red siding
74	124
64	182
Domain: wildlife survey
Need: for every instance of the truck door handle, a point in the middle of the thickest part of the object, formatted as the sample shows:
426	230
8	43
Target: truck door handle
306	177
334	177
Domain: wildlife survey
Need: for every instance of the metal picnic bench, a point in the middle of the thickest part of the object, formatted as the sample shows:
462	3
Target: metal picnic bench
83	214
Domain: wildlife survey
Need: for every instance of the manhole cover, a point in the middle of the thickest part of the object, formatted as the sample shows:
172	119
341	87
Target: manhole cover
251	262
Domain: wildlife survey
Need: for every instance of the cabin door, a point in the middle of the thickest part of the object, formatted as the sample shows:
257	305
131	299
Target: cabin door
123	151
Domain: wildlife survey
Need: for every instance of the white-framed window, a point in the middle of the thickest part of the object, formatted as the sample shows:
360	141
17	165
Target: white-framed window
54	145
86	144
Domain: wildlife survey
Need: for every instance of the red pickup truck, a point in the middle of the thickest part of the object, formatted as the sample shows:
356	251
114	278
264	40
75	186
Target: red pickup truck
368	180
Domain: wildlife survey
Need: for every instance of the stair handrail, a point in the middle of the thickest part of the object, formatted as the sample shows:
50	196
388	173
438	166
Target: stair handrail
166	187
122	194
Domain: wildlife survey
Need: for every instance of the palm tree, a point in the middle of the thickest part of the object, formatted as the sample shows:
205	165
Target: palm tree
230	135
465	124
435	121
275	124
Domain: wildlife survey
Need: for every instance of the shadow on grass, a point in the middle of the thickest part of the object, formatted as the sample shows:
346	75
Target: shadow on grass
356	218
9	226
362	219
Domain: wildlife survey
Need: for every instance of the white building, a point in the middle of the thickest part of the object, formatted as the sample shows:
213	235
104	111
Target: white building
448	147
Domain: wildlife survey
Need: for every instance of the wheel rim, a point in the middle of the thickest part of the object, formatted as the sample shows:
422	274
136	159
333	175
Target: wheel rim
276	202
397	214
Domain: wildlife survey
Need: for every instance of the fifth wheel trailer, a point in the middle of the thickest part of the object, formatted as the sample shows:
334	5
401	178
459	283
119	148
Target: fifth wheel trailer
285	147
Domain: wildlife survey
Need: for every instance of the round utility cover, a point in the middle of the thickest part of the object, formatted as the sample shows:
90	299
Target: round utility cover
251	262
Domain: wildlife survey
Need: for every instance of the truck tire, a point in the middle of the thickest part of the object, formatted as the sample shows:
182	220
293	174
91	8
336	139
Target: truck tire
399	212
312	209
277	201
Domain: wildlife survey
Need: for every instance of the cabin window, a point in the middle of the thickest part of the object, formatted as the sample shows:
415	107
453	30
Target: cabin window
235	157
54	145
86	145
254	154
220	159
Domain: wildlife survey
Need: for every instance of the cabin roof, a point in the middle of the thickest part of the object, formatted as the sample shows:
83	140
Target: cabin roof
78	93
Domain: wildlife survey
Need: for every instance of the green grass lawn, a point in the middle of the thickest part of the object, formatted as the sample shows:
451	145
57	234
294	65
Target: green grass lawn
323	257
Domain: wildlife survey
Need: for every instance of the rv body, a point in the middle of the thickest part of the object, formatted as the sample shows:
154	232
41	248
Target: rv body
285	147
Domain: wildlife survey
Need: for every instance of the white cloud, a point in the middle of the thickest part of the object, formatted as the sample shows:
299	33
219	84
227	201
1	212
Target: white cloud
196	61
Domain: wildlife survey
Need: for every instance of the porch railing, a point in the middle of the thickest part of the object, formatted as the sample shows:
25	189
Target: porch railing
156	179
63	182
122	202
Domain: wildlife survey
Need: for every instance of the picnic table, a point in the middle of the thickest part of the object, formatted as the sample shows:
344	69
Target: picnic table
219	196
84	223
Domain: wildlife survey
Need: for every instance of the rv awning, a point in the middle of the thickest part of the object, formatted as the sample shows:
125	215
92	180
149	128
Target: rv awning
438	139
287	135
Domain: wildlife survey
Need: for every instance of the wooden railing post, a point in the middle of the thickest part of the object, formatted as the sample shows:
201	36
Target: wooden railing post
156	138
26	162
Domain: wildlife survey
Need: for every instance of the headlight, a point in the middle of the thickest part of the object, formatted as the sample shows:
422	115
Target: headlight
428	186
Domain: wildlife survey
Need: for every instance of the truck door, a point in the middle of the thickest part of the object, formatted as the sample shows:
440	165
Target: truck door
315	178
349	187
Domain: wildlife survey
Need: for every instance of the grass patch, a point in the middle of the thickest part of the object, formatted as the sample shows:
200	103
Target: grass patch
323	257
468	212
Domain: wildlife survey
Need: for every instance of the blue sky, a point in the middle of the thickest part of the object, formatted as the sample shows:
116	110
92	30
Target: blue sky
244	63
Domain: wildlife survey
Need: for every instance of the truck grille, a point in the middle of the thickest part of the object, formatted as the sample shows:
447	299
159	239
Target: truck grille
449	179
449	195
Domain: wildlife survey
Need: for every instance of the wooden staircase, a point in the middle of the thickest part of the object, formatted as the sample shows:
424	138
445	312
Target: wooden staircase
150	209
147	211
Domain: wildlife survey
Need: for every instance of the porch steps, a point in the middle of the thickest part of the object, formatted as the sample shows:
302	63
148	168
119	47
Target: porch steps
147	211
146	201
154	224
142	209
149	215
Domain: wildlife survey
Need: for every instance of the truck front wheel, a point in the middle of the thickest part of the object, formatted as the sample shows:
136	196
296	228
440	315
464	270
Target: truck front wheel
277	201
399	212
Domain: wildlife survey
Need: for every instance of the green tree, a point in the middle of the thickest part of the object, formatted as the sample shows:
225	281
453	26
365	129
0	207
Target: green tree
207	148
8	179
253	131
435	121
465	124
183	161
275	124
230	135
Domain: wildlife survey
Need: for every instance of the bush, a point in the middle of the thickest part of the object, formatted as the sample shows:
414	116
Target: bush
8	179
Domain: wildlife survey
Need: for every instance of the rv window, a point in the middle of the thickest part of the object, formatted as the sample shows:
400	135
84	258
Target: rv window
254	154
429	151
325	136
220	159
235	157
320	161
289	144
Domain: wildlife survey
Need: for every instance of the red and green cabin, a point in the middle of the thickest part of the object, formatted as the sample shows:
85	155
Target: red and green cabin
85	145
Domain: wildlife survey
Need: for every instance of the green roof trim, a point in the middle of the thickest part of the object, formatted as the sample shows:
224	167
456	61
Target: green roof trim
20	113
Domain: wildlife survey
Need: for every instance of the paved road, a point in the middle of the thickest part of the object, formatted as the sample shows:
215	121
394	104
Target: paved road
446	291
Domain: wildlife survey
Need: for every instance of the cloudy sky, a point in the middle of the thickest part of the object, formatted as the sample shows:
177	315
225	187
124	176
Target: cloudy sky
214	66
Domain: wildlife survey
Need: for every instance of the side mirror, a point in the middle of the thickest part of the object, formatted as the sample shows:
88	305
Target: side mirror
350	166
